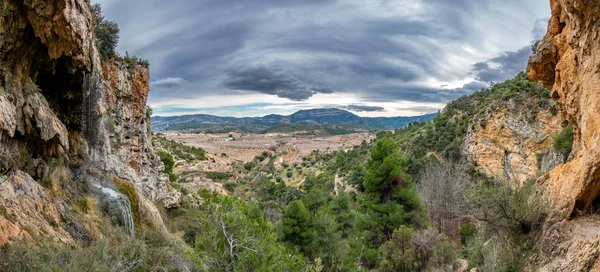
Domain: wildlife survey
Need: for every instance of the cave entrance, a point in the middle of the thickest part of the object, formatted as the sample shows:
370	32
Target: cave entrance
594	207
588	202
63	90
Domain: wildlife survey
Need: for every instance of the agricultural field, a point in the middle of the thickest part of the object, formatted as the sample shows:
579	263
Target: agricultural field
290	148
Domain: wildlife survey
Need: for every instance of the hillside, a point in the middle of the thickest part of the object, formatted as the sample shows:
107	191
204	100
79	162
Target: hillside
314	117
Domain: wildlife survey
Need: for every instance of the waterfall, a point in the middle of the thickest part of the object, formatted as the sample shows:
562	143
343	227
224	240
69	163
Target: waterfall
94	131
92	119
113	203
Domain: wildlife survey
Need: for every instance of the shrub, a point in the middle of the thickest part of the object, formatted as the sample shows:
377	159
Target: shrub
249	166
511	217
230	186
167	160
148	251
425	250
563	142
534	46
217	175
508	208
467	232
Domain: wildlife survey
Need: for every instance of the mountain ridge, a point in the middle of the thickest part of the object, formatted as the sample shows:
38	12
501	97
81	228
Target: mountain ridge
318	116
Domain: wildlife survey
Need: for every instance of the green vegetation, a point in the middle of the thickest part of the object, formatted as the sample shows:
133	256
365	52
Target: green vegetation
230	235
295	226
127	189
167	160
535	45
218	175
148	251
417	251
178	150
445	133
511	218
388	205
106	33
563	142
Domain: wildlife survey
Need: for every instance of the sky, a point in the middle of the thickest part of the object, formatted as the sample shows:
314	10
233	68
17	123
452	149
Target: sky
371	57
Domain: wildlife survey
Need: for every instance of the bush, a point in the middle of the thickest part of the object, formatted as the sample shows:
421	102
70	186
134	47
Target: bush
249	166
511	217
149	251
563	142
167	160
217	175
230	186
508	208
426	250
467	232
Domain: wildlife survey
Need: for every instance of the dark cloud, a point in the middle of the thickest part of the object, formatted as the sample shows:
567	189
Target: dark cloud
387	93
363	108
503	66
377	51
275	82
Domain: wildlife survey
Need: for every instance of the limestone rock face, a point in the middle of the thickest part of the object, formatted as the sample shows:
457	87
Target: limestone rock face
63	110
27	210
568	59
129	129
513	141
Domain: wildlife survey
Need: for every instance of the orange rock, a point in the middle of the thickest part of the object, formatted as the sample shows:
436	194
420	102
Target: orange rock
570	62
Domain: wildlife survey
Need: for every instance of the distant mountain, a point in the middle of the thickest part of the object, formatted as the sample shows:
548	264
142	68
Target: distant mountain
313	117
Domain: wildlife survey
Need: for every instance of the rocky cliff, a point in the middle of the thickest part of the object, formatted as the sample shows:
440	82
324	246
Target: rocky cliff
513	139
73	129
567	59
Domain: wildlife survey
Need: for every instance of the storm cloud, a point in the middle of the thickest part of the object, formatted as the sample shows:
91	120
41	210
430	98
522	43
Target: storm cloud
323	52
279	83
503	66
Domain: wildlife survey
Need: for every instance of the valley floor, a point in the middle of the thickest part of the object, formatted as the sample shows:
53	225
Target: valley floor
244	147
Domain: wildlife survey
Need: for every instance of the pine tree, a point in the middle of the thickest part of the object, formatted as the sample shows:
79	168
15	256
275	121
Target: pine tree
296	225
384	169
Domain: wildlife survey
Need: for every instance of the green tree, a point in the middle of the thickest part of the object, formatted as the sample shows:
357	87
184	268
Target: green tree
237	237
399	254
296	225
106	33
356	177
327	246
384	169
340	206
